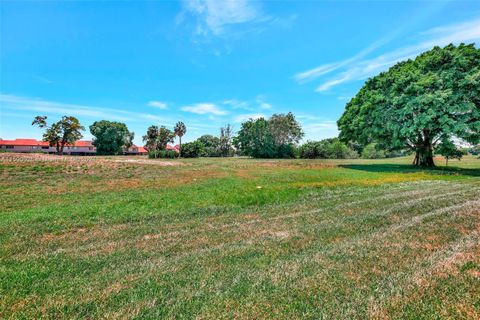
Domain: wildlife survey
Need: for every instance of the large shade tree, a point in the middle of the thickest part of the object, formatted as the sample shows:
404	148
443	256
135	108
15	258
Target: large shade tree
419	103
61	133
111	137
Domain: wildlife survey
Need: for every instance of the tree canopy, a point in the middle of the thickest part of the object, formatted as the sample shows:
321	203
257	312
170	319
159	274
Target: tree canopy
449	151
157	138
225	141
418	103
211	145
326	149
272	138
63	132
111	137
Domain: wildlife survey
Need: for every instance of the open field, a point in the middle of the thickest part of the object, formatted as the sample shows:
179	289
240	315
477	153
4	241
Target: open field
238	238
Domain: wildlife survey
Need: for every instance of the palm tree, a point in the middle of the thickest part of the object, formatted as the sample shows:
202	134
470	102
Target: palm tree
179	130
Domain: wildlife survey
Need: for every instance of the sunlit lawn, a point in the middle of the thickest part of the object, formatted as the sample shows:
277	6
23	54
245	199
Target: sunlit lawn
126	237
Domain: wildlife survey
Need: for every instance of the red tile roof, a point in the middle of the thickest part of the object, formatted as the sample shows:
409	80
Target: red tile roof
80	143
33	142
23	142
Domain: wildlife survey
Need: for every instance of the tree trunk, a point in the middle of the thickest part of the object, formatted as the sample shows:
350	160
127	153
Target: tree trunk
59	149
424	156
180	147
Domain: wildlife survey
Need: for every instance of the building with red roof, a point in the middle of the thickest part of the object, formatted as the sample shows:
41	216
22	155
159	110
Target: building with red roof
81	147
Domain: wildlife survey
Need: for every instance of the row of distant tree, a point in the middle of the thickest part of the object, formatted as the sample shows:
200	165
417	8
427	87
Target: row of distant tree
275	137
110	137
419	106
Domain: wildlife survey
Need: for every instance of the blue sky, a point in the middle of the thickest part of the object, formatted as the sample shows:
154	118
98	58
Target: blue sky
208	63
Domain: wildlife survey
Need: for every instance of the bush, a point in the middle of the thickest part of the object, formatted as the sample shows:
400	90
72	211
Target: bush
211	145
475	150
286	151
371	151
193	149
326	149
163	154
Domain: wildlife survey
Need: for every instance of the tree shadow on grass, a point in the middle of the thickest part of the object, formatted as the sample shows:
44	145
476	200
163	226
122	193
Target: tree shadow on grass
406	168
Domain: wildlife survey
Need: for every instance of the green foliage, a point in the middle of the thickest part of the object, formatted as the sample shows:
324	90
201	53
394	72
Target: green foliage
225	141
371	151
449	151
418	103
285	129
157	138
111	137
193	149
326	149
255	139
164	154
66	131
475	150
211	145
273	138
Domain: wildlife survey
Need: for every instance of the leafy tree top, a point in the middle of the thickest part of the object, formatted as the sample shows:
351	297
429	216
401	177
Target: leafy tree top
111	137
157	138
63	132
418	103
180	129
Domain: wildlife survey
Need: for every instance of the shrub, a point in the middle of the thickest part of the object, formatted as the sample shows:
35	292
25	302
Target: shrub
371	151
286	151
475	150
326	149
193	149
163	154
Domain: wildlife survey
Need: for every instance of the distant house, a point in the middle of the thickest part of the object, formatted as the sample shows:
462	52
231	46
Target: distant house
81	147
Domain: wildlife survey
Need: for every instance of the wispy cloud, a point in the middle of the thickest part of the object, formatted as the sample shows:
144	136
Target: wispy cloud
320	130
245	117
355	68
330	67
41	106
157	104
237	104
214	16
262	104
205	108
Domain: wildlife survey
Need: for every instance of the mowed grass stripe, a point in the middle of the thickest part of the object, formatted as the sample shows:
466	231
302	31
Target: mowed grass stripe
293	248
202	253
117	233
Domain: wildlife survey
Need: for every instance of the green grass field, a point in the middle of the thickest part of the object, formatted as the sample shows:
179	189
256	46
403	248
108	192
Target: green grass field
238	238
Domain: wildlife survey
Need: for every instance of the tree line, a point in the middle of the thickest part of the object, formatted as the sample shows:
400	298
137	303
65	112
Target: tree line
418	106
275	137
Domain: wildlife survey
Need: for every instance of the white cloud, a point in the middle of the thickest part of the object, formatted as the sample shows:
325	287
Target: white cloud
205	108
245	117
40	106
237	104
354	69
265	105
331	83
328	68
214	15
158	104
320	130
262	104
